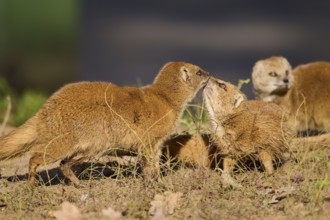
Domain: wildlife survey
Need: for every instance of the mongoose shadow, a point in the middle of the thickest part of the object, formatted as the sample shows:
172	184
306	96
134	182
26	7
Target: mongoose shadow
83	171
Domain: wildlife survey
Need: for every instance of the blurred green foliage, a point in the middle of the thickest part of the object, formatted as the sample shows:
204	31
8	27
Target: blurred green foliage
23	106
28	105
194	116
4	92
4	87
40	27
39	42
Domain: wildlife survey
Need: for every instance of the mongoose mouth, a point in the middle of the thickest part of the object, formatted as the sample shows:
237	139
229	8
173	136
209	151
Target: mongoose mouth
280	91
204	84
208	90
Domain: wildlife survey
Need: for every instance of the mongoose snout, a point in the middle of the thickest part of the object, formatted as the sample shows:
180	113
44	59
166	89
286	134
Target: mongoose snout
202	73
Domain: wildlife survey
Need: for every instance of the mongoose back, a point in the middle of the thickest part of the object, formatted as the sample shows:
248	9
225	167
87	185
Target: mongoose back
245	129
304	91
83	119
196	150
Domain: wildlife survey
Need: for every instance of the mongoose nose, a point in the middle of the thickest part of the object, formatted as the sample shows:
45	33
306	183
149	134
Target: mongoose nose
203	73
285	81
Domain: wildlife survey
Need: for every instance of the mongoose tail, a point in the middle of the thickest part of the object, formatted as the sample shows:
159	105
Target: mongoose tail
19	141
320	142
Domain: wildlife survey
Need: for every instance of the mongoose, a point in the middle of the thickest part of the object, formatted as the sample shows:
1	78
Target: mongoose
304	91
83	119
196	150
245	129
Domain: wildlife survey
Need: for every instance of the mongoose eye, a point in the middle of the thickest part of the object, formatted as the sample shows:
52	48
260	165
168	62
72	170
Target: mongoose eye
199	73
273	74
222	86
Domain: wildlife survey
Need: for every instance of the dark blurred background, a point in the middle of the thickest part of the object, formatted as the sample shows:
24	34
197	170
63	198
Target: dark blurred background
44	44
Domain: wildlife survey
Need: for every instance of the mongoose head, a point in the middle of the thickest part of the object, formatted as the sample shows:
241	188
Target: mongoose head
185	75
223	99
271	77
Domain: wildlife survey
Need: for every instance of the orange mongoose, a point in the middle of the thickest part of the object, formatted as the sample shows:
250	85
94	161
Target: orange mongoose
245	129
83	119
304	91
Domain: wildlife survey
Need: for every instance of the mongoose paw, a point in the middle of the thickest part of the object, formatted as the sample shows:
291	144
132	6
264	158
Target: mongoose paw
150	181
151	174
76	183
32	183
228	181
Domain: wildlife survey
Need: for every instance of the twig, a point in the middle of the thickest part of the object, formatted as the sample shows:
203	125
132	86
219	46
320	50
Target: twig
7	115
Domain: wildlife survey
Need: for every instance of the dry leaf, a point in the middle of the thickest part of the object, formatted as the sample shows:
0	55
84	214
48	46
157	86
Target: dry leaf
266	191
297	178
68	211
164	205
84	197
281	193
111	214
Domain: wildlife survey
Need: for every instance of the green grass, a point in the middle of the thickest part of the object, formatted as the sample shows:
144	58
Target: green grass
28	104
22	106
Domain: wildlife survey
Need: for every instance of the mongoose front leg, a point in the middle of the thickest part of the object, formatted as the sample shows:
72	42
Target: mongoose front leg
267	161
36	160
32	172
151	167
228	166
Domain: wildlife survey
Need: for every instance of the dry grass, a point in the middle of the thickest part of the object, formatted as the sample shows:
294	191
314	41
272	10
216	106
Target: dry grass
299	189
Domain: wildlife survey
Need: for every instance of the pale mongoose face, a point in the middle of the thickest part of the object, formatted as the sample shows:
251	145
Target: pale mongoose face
222	99
272	76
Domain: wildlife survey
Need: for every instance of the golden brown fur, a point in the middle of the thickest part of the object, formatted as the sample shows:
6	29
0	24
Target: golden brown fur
319	142
245	129
84	119
196	150
306	95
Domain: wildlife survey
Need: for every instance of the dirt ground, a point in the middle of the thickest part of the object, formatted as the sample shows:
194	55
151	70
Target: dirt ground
300	189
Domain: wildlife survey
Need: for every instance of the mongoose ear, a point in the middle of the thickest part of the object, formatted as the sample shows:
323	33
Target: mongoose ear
185	74
238	100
